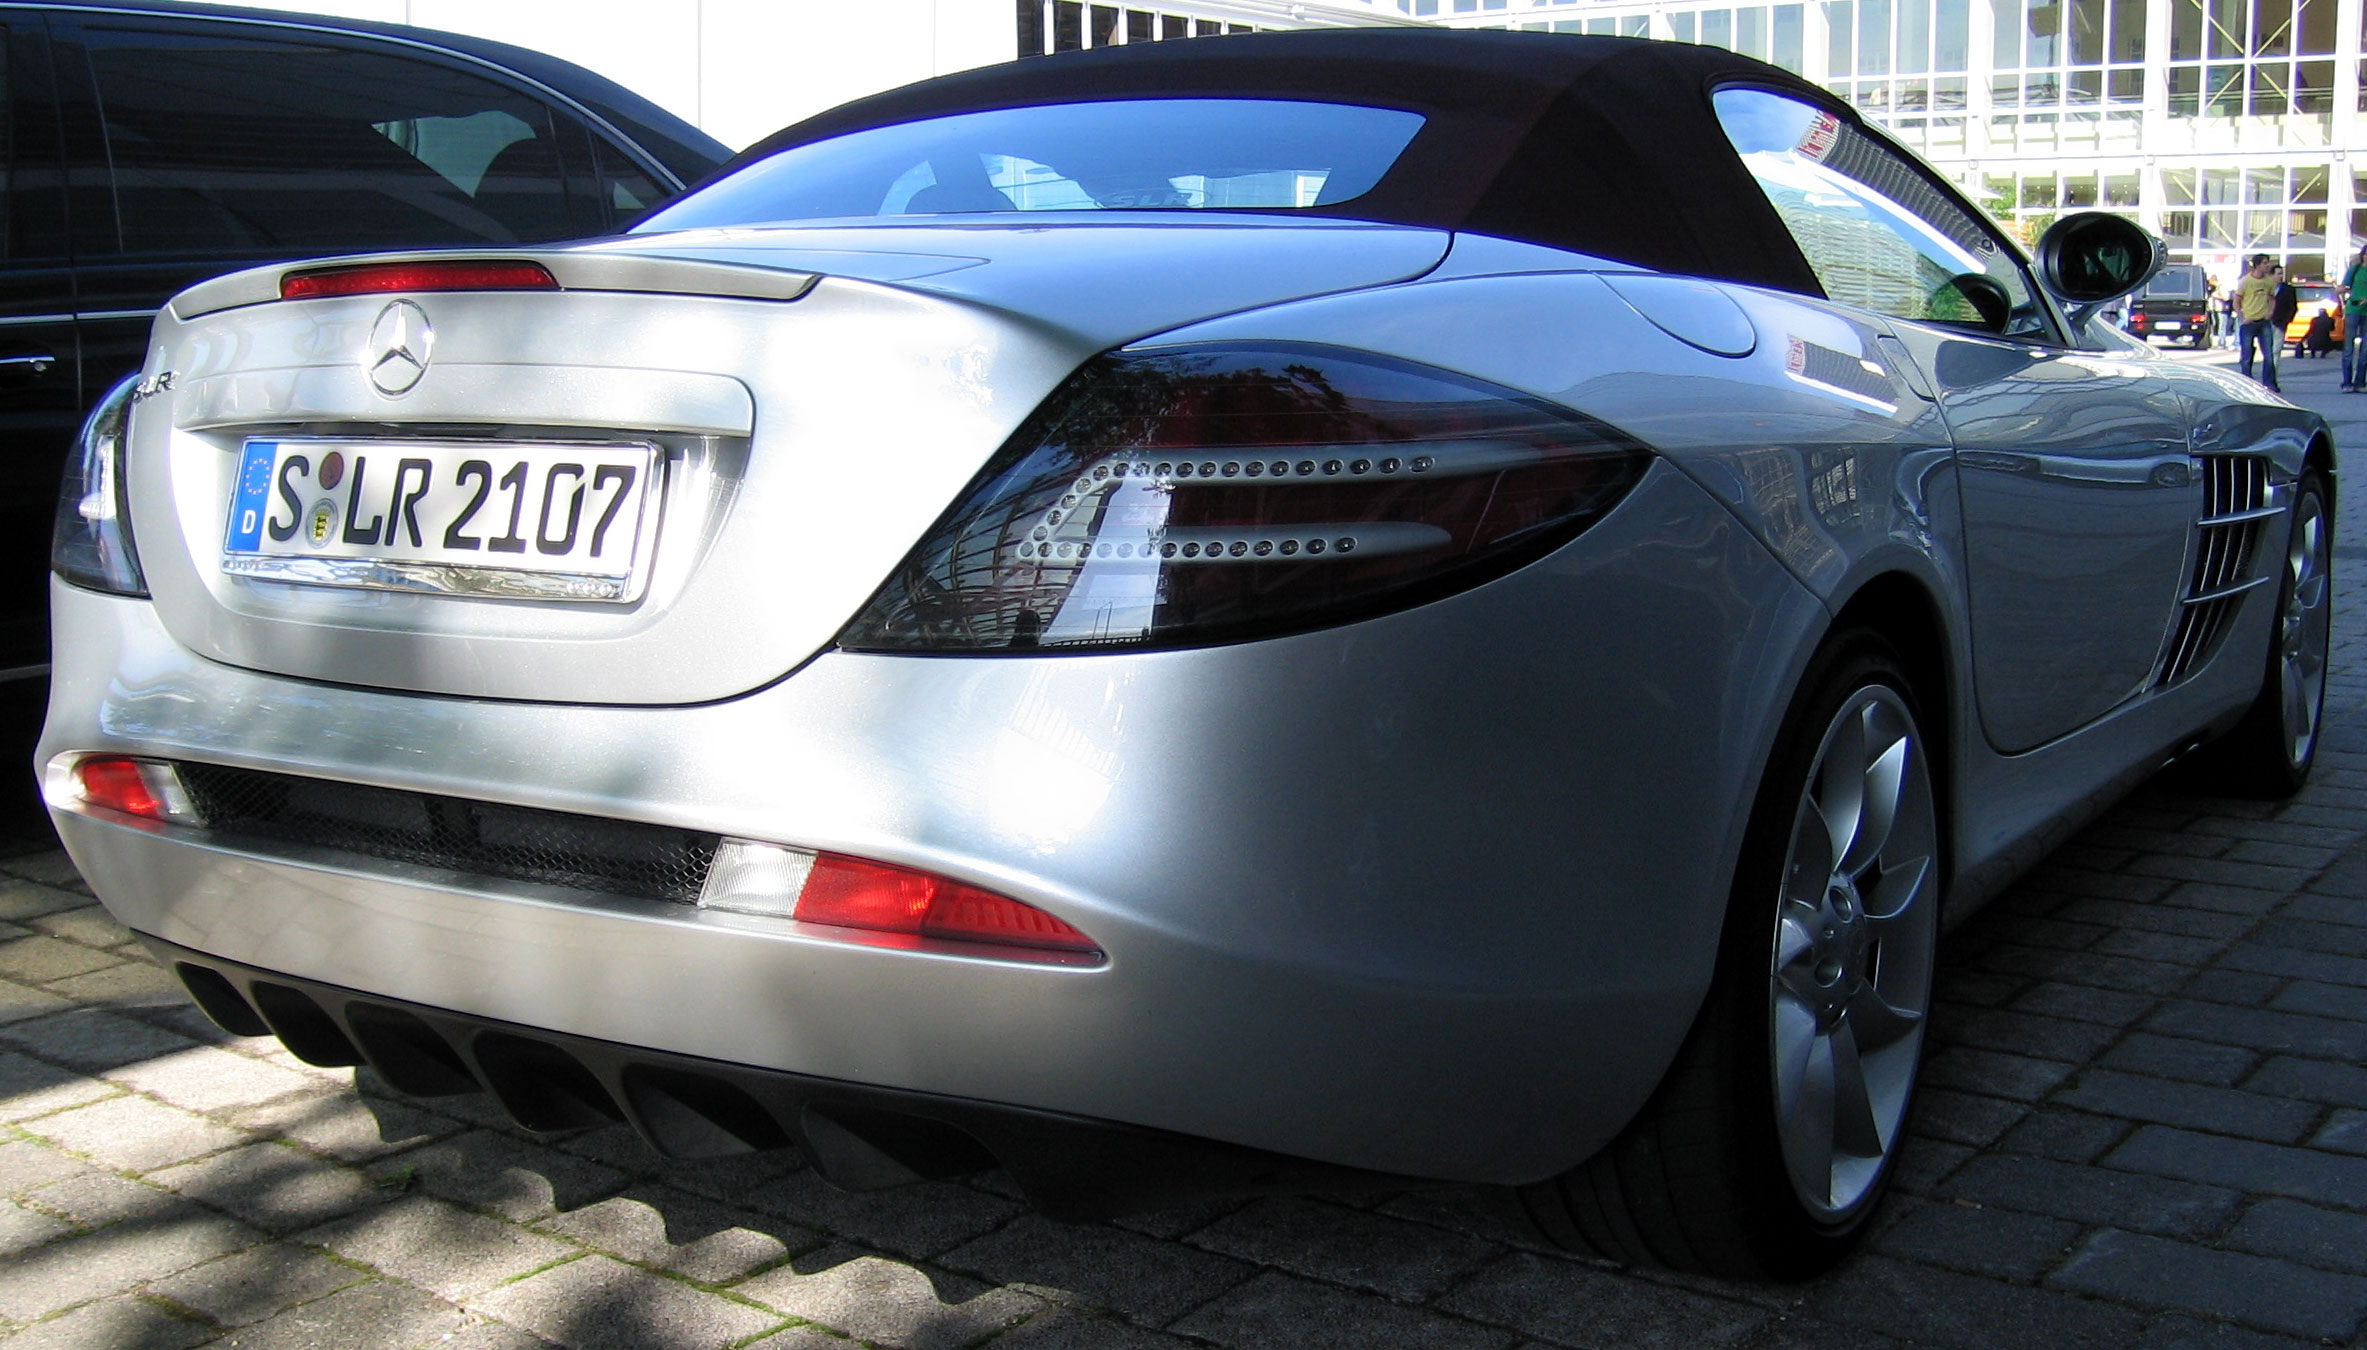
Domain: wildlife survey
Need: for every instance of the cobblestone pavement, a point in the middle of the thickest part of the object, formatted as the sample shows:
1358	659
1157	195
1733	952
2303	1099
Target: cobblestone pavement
2145	1124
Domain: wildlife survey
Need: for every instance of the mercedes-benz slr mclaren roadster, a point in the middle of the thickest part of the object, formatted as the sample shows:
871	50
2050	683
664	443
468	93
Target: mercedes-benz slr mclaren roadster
1294	611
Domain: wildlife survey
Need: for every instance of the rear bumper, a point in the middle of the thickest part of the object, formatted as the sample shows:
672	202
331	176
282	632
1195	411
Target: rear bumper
1433	895
860	1137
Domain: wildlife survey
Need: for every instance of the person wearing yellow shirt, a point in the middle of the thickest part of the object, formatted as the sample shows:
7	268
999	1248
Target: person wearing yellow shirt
2255	301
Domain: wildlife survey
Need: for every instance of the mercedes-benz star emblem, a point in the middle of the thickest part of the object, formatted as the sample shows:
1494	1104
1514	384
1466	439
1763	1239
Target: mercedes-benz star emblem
399	345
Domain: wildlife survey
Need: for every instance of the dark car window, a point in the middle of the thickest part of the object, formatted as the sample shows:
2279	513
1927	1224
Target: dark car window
1159	154
1875	231
237	143
7	148
623	189
2176	283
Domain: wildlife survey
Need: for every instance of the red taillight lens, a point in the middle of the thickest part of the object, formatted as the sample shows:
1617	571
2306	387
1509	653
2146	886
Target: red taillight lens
144	788
375	278
850	893
1225	492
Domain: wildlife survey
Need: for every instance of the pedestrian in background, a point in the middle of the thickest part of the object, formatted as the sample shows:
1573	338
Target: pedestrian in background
2256	299
2353	289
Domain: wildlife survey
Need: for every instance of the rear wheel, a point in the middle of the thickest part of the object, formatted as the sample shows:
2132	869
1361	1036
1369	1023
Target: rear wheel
1773	1135
2270	752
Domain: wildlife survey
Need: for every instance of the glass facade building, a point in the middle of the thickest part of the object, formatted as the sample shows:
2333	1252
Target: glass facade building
2229	127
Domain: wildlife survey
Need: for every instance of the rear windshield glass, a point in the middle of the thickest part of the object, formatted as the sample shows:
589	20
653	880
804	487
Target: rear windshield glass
1138	154
2176	283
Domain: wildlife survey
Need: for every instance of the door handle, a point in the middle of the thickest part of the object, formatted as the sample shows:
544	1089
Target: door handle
39	362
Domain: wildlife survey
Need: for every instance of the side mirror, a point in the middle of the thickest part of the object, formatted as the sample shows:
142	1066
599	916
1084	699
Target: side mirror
2091	259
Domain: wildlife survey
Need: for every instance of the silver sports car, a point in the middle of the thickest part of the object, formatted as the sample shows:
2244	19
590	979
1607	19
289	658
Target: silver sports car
1292	611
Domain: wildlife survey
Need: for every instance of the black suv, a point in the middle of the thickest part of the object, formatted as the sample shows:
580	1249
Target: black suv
2175	305
145	146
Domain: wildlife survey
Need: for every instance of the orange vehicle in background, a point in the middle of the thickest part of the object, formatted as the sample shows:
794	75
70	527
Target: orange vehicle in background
2317	299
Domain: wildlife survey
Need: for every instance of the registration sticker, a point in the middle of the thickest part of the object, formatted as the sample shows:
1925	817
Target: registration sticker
545	520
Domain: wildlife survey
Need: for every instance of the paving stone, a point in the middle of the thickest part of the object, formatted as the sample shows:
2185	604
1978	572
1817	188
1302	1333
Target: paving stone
2223	899
1176	1221
2257	1290
1147	1280
29	1163
1276	1309
1346	1246
2289	1033
2066	1136
123	1323
2285	963
694	1237
30	1088
2154	946
2019	1077
255	1284
2323	1000
1929	1306
133	1134
89	925
438	1246
40	959
20	1002
2345	1132
1793	1331
2195	1105
2244	988
21	900
2022	1033
205	1078
2123	915
1579	1303
2304	1174
2176	1057
2303	935
1925	1163
2094	1195
93	1040
98	1265
2331	1239
22	1229
888	1303
343	1124
2177	1332
273	1186
373	1314
93	1198
2001	1242
52	868
507	1175
601	1304
133	984
806	1336
1055	1328
2327	908
2108	1007
1963	1117
2315	1079
920	1220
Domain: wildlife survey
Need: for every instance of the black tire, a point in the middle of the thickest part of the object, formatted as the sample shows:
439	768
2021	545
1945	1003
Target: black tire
2270	752
1703	1179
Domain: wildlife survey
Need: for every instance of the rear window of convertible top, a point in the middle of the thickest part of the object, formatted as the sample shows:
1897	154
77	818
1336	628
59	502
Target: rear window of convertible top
1134	154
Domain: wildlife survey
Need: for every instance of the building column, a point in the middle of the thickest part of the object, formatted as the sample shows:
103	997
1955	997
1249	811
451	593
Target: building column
2347	124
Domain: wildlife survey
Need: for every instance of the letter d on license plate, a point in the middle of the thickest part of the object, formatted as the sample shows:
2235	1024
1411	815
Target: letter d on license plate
531	520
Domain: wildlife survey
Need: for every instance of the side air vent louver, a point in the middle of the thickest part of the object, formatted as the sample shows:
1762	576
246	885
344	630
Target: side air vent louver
613	857
2235	503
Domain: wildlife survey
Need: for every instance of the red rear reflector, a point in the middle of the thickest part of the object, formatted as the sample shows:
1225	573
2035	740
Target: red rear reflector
849	893
375	278
120	785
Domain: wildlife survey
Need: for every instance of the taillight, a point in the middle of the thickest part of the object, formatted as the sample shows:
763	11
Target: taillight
1232	491
872	901
146	789
91	542
374	278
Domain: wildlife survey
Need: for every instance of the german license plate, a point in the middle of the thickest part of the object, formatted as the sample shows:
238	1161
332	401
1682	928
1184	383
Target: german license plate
532	520
2169	325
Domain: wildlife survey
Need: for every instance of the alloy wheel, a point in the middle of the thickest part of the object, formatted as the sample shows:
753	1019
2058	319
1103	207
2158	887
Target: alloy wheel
2305	627
1851	970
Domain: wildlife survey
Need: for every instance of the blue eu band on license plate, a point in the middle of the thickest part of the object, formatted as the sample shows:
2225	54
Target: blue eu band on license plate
539	520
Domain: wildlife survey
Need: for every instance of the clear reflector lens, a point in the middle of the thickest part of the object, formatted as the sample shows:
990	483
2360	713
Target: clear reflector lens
91	543
1225	492
851	893
376	278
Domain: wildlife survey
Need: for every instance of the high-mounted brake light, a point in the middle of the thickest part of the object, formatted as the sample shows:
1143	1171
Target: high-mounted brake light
1231	491
377	278
144	788
868	898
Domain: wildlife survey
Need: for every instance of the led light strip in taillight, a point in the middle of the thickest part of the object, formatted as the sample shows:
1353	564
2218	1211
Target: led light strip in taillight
875	904
381	278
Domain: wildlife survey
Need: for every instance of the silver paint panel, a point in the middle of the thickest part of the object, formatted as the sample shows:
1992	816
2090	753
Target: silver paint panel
1352	883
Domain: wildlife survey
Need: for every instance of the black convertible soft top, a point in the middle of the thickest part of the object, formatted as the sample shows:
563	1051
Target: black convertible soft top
1603	145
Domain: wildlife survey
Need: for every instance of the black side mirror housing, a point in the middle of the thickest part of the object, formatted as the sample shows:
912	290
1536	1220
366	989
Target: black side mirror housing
2093	258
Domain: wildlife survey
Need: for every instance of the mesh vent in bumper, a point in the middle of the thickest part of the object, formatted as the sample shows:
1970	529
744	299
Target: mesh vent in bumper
589	853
